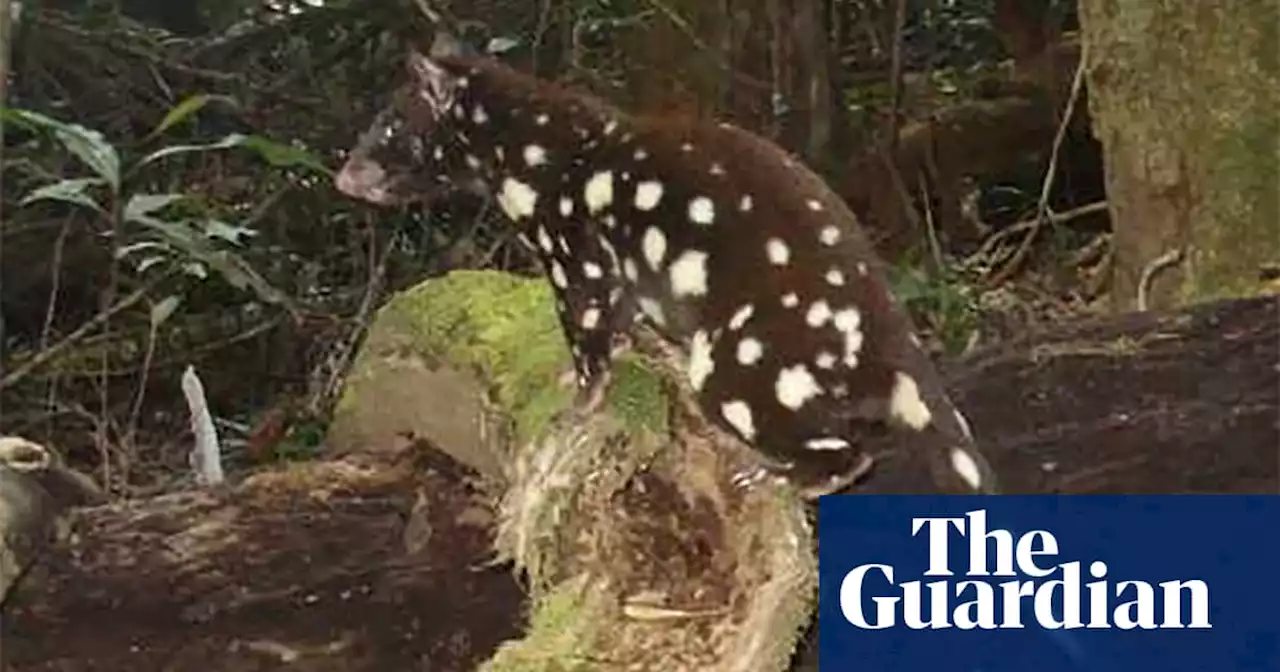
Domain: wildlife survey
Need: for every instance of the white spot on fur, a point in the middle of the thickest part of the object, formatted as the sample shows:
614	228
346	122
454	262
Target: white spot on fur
818	314
648	194
967	467
544	240
702	210
848	321
779	253
749	351
829	235
610	126
598	192
700	363
738	415
590	318
790	300
534	155
795	386
717	169
640	155
478	115
825	360
566	206
813	204
826	443
689	274
557	275
654	246
541	119
653	310
964	425
517	199
905	403
862	268
629	269
744	204
592	270
835	278
740	317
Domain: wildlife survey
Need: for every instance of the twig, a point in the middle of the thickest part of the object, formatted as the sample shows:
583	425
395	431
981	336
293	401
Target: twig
895	77
6	44
74	337
1055	218
1042	207
1150	271
206	455
131	429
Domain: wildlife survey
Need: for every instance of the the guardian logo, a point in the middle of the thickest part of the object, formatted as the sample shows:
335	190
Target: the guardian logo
873	597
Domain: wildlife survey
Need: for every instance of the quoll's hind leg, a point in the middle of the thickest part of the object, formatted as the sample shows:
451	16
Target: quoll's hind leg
829	473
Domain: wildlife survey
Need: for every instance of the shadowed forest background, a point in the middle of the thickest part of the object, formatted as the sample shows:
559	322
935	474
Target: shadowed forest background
1080	203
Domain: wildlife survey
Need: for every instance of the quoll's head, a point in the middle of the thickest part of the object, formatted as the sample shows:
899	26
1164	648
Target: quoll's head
406	154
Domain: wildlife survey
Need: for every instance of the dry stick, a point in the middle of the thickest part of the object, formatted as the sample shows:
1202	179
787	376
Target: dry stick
75	337
1054	218
1152	269
6	25
51	310
1042	208
895	76
206	454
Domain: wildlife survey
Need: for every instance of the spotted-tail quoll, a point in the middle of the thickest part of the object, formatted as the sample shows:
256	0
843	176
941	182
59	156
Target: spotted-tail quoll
734	252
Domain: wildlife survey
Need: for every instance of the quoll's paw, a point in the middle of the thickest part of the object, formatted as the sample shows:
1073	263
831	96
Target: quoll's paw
837	482
747	478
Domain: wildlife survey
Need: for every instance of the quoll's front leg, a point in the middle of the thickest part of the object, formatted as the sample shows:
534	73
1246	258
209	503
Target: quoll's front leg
592	310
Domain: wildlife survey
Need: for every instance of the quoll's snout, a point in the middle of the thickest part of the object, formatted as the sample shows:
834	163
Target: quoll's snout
361	178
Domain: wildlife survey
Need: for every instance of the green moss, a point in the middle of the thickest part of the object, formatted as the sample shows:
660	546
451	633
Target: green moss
502	325
637	395
561	634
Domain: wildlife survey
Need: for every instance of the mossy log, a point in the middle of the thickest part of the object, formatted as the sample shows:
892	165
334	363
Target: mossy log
449	478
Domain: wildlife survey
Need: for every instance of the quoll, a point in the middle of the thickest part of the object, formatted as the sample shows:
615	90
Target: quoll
731	250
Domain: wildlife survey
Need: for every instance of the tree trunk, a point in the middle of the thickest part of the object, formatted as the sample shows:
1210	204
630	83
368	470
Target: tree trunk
1184	98
637	552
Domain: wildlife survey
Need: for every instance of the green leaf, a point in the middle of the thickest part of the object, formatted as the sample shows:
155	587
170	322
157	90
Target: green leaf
67	191
148	263
275	153
225	143
196	269
127	250
283	156
164	309
88	145
214	228
140	206
184	110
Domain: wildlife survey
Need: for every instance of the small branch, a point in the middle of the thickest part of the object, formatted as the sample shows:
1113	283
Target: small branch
1152	269
76	336
895	77
1055	218
1043	214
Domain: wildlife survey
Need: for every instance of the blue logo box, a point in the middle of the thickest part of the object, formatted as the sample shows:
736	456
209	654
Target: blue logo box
1047	583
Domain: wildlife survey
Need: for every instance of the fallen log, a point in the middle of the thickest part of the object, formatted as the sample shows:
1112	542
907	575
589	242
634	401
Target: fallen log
632	548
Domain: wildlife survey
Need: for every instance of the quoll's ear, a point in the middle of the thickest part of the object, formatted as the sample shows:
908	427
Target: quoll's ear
434	84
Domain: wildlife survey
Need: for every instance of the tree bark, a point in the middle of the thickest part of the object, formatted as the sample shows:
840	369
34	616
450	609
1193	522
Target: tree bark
379	557
1184	97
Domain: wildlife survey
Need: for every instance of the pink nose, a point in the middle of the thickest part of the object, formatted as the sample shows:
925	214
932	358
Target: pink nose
360	178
